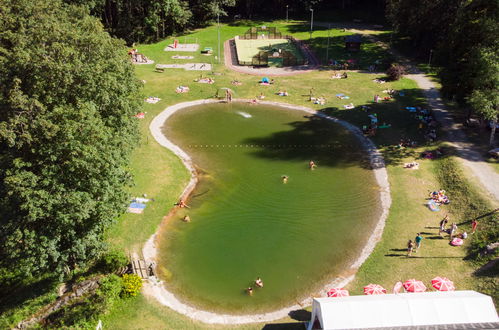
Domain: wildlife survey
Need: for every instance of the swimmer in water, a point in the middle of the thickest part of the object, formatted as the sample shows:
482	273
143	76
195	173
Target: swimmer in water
259	282
312	165
249	291
186	219
284	179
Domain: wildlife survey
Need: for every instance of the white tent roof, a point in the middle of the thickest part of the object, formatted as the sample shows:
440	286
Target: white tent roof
405	309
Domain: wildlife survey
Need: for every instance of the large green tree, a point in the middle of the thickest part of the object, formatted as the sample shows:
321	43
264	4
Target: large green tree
471	72
67	99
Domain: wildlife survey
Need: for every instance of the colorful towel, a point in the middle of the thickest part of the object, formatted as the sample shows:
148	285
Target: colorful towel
136	208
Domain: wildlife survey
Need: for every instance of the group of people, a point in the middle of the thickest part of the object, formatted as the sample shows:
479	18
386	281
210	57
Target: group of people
439	197
455	238
258	283
413	246
311	165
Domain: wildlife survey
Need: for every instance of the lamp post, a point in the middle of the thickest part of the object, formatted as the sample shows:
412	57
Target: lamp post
327	48
287	7
218	23
311	21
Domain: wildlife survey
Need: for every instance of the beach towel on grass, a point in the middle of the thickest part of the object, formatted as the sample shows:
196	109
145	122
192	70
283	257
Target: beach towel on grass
136	207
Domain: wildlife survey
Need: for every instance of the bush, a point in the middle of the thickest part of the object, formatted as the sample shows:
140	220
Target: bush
395	71
112	261
132	284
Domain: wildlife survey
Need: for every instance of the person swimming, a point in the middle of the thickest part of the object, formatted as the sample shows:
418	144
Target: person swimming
259	282
312	165
249	291
186	219
285	179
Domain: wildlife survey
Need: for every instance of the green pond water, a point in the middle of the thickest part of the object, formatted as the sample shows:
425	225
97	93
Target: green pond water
246	223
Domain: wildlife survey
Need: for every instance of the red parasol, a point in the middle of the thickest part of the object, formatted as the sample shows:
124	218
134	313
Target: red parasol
338	292
413	285
374	289
443	284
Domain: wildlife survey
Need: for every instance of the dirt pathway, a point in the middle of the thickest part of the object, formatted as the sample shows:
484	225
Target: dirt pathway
472	159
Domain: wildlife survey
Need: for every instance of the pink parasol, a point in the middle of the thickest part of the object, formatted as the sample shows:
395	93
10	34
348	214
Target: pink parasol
413	285
337	292
443	284
397	287
374	289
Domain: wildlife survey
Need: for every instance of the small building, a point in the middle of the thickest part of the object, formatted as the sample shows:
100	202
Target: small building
353	42
435	310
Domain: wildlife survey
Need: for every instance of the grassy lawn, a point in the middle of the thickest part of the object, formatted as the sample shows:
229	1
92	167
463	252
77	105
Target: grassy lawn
160	175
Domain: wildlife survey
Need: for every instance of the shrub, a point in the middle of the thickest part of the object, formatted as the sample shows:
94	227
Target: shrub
112	261
132	284
395	71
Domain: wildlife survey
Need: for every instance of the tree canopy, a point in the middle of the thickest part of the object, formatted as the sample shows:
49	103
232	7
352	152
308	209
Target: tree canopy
67	99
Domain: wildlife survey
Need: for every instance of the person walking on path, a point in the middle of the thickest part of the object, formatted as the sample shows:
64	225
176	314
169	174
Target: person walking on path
474	224
410	248
418	240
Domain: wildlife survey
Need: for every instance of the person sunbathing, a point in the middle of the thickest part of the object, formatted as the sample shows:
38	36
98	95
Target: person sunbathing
181	204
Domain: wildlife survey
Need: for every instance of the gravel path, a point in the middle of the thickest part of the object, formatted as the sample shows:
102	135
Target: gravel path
472	159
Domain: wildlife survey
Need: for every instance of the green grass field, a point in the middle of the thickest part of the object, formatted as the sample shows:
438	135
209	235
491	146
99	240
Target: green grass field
162	176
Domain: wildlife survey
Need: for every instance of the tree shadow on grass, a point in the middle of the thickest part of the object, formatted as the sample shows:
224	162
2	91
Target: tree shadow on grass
318	139
14	296
284	326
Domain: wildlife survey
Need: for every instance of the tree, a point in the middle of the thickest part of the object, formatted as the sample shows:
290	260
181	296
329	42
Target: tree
471	74
67	99
484	99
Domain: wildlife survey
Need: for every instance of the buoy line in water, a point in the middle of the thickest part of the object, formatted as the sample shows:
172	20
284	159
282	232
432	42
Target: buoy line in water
156	289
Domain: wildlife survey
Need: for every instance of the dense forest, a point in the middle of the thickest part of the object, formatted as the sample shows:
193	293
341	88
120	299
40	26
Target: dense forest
462	35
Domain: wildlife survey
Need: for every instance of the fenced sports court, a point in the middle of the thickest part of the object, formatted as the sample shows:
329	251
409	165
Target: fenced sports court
262	46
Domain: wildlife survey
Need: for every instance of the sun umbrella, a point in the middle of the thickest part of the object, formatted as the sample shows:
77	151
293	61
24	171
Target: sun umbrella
413	285
443	284
397	287
338	292
374	289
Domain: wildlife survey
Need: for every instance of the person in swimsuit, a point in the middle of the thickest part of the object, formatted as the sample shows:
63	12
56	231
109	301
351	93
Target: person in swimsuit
259	282
311	165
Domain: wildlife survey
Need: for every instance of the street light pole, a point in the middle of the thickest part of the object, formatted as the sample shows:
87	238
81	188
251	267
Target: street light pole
311	22
327	48
287	6
218	23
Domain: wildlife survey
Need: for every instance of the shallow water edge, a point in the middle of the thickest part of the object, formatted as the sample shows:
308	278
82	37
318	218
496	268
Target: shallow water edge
156	289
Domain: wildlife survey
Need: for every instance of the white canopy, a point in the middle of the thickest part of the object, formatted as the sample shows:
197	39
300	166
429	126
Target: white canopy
405	309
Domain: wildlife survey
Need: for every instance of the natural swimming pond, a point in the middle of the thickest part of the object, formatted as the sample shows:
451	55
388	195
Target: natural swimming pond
246	223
